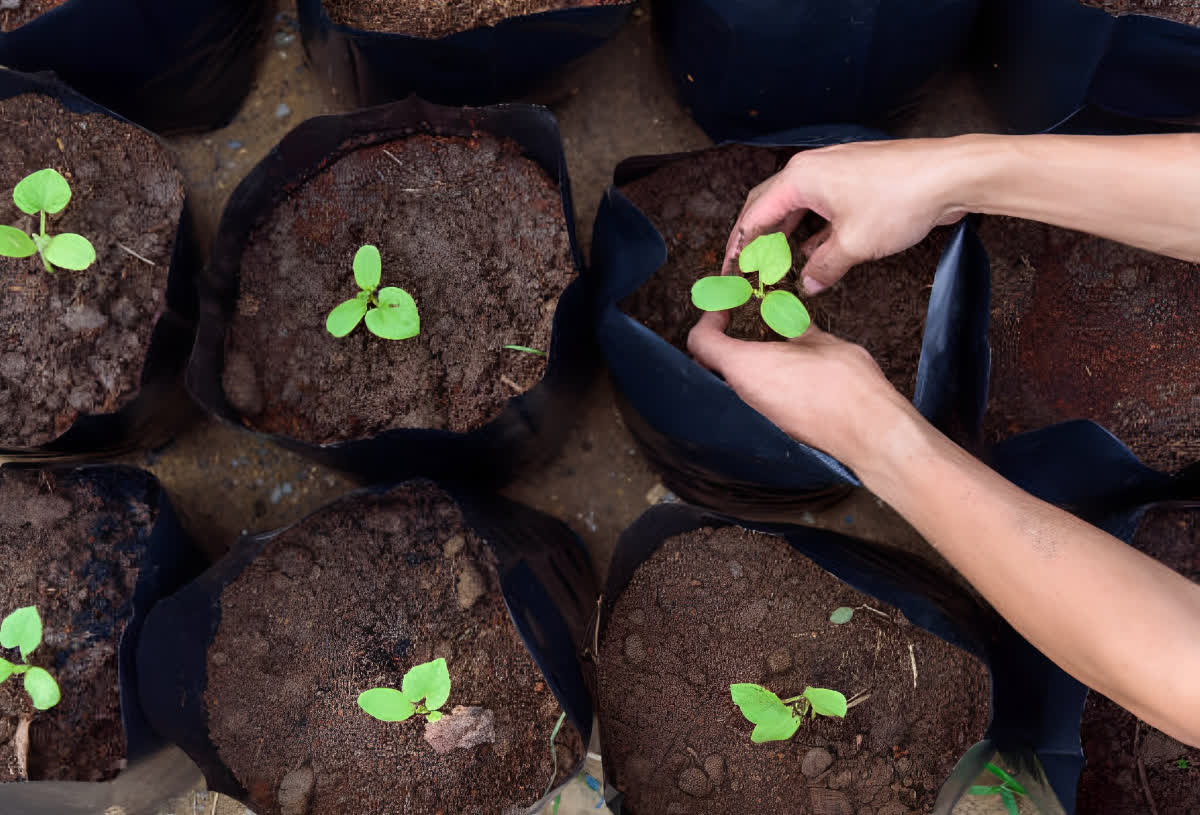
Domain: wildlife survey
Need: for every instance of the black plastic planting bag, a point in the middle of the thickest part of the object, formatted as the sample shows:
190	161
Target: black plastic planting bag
533	425
476	67
1057	64
747	68
712	448
545	578
181	65
156	772
160	404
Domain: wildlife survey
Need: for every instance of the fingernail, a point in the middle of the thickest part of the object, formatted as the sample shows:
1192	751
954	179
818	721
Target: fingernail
812	285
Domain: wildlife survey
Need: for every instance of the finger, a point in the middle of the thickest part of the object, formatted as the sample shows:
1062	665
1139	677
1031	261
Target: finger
708	343
826	265
814	241
777	205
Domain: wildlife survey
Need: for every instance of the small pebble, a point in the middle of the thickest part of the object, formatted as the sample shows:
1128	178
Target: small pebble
283	111
816	762
779	660
694	782
234	144
714	766
735	569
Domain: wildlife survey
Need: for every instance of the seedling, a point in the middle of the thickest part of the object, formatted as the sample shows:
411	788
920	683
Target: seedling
424	689
771	257
391	312
1183	764
41	193
525	349
23	629
778	719
1008	789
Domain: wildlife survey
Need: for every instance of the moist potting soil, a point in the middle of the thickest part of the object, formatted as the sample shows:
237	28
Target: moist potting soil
70	549
26	10
711	608
313	622
1085	328
694	203
75	342
434	18
470	228
1181	11
1114	740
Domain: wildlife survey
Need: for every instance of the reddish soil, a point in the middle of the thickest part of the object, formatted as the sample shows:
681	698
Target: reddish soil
1114	741
1181	11
694	203
711	608
312	622
73	549
1084	328
74	342
472	230
437	18
26	10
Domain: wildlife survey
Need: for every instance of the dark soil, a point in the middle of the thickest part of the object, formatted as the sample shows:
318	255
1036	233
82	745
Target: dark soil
74	342
72	547
313	622
1084	328
711	608
26	10
694	202
1181	11
437	18
1114	740
472	230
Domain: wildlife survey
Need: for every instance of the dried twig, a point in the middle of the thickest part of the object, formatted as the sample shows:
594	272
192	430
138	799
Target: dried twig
143	259
20	743
913	658
504	378
1137	731
858	699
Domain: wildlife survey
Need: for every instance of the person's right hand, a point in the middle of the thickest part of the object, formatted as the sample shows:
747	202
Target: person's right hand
879	198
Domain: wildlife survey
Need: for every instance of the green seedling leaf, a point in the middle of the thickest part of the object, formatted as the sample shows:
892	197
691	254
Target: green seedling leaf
70	251
720	292
429	681
1008	780
841	615
1180	763
22	629
6	669
43	191
980	789
773	720
342	320
781	728
434	715
397	317
826	702
526	349
15	244
386	704
769	255
785	314
42	689
1010	802
367	266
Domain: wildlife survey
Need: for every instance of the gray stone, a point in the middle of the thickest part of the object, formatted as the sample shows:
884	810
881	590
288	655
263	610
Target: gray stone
779	660
470	586
829	802
816	762
462	729
694	782
83	319
714	767
295	790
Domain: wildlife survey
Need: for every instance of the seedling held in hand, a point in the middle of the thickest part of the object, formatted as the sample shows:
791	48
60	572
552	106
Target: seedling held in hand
391	312
778	719
771	257
23	629
424	689
1008	789
43	193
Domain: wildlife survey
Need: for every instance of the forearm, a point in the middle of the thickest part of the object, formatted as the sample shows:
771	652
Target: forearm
1139	190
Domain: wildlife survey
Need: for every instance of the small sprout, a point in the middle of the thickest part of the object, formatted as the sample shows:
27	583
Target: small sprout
23	629
424	689
776	719
42	193
526	349
1008	789
771	257
841	615
391	313
1183	764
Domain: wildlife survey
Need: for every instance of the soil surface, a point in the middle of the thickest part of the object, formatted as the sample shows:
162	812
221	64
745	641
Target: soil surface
712	608
1085	328
314	622
472	230
25	10
437	18
1114	741
694	202
72	547
74	342
1181	11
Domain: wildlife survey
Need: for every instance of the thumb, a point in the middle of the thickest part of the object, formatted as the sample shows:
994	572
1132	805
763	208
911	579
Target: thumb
826	265
709	344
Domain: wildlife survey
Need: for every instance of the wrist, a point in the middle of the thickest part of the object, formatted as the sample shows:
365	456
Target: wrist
972	167
898	440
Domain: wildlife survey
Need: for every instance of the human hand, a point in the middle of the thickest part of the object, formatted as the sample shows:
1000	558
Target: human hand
878	197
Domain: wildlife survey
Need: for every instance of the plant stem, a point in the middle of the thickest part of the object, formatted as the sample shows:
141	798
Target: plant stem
43	213
793	699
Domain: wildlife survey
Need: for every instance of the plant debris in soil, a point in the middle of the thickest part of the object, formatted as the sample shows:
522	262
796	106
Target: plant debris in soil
437	18
471	229
1181	11
312	622
74	342
72	547
711	608
694	203
1086	328
16	13
1115	742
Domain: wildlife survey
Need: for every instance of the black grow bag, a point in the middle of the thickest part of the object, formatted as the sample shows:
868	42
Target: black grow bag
711	448
156	772
160	405
476	67
533	425
181	65
1056	64
548	589
752	68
